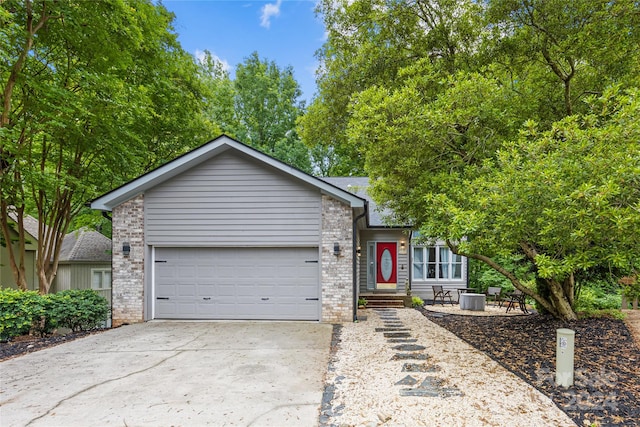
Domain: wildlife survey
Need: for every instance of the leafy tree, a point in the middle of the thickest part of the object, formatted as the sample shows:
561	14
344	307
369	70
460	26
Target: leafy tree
369	43
567	199
260	107
554	53
93	93
550	54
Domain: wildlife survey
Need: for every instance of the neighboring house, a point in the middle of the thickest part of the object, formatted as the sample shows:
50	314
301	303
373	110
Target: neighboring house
227	232
84	263
31	246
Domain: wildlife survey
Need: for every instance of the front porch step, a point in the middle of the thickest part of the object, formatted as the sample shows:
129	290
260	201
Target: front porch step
378	299
385	303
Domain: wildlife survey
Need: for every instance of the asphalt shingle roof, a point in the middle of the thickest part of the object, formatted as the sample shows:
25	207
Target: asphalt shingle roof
85	245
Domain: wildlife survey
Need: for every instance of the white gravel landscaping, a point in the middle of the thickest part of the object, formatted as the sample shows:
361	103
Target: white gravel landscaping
365	375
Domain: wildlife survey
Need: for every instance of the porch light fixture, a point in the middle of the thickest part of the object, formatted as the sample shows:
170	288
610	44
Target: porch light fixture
358	251
126	249
403	247
336	249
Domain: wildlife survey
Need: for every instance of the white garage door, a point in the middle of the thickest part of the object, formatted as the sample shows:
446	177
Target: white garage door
237	283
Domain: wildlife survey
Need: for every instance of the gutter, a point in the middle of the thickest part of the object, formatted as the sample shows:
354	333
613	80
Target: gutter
355	261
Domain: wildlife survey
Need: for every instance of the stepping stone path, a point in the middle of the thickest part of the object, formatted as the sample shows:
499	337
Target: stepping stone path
399	336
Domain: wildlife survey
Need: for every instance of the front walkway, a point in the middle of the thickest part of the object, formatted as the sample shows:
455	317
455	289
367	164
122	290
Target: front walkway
399	368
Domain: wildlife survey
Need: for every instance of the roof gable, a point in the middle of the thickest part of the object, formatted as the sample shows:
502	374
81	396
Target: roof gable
207	151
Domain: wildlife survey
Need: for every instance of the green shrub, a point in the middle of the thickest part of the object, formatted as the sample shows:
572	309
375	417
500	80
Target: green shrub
18	311
362	302
78	310
597	295
22	312
416	302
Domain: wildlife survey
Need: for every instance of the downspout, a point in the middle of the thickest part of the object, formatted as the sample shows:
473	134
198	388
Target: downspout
355	262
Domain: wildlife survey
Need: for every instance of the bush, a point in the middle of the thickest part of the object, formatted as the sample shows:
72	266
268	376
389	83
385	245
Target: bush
22	312
416	302
597	295
18	310
76	309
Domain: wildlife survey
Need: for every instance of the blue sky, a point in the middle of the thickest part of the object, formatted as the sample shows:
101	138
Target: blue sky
284	31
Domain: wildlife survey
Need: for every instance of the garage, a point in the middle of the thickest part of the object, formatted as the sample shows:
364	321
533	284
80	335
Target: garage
236	283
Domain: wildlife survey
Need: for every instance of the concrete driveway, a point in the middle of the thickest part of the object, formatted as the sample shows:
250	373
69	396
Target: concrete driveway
173	374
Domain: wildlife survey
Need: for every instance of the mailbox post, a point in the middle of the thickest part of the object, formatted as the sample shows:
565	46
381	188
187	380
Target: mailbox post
565	342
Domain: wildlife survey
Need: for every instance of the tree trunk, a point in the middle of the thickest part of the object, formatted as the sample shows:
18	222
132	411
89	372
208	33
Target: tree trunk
560	301
557	303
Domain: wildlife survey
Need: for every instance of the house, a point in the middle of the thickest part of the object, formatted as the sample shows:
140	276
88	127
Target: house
84	263
228	232
31	246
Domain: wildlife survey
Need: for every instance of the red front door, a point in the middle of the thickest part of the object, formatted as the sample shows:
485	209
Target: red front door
386	262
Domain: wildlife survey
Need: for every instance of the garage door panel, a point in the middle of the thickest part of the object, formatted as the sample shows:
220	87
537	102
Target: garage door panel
237	283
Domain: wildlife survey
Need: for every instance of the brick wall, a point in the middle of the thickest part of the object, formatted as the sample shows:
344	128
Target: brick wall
337	271
127	285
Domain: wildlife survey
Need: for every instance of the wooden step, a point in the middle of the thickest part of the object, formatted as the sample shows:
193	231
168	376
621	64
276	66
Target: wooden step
379	303
379	300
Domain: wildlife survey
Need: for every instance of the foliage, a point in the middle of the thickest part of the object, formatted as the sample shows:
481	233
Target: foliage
18	309
259	107
567	199
362	302
416	302
544	57
481	276
368	44
22	312
76	309
93	94
604	313
593	297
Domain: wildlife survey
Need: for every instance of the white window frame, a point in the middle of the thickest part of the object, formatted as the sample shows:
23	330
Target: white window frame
103	272
438	264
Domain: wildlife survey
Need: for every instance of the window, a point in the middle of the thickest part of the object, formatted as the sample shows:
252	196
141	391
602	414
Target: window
100	279
436	262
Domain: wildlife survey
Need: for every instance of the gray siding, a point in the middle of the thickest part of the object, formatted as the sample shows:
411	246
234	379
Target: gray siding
232	200
76	276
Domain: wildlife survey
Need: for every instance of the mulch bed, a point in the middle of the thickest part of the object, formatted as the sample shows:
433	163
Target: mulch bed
606	390
18	346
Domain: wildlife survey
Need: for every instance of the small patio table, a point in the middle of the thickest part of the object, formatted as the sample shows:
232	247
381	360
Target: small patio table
473	302
464	291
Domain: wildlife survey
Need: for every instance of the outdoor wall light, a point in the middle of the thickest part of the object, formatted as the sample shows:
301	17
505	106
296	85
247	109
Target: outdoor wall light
403	247
336	248
126	249
358	251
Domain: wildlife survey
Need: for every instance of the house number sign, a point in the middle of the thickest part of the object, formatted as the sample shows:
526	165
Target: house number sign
563	342
386	265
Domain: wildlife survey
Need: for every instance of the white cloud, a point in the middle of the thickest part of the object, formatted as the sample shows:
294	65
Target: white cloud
269	10
200	57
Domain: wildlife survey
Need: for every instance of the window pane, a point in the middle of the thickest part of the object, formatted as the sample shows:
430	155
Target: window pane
431	263
107	279
431	254
444	263
418	255
96	280
457	271
444	255
418	271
